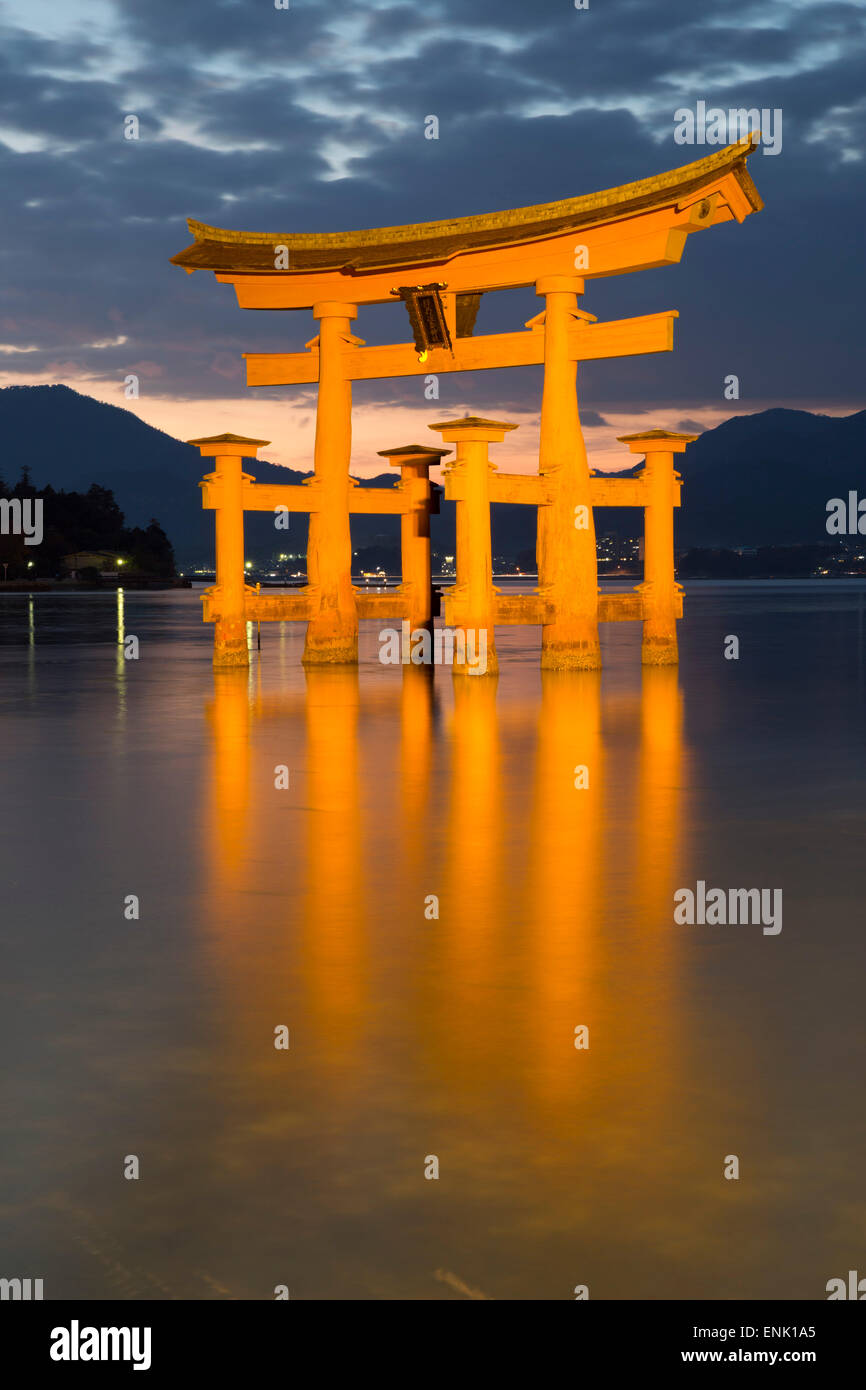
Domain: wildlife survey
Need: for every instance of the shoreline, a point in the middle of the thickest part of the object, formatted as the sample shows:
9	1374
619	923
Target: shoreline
62	586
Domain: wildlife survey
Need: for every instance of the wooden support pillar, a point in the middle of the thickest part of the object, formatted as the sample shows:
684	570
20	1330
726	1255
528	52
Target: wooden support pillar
467	480
332	634
415	462
228	595
567	565
659	588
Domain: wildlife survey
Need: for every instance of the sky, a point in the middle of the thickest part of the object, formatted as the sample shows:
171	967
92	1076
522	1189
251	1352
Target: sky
312	118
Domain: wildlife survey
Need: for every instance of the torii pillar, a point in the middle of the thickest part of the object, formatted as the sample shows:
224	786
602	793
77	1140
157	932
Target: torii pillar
567	562
415	462
467	482
661	593
332	631
227	480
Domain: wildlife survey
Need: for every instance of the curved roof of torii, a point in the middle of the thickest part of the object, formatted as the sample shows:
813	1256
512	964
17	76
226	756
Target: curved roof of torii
381	248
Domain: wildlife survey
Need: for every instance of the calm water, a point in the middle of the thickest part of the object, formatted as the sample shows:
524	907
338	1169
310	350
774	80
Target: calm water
411	1036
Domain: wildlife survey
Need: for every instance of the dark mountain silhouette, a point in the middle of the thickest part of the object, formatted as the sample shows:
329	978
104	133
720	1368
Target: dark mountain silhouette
71	441
761	479
766	479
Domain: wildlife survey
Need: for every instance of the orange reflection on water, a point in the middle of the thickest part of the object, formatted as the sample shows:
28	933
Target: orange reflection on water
554	911
334	960
229	717
565	878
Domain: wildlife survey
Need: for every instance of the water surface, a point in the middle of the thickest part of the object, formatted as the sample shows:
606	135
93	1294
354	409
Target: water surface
412	1035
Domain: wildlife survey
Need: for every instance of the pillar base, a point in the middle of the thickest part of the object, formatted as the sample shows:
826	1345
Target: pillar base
462	676
330	643
659	651
230	648
490	668
332	655
484	663
565	649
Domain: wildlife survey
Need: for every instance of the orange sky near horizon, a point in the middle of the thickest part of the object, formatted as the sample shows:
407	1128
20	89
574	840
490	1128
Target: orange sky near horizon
290	423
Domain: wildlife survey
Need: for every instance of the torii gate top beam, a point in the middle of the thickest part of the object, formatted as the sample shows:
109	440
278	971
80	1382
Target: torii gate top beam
631	227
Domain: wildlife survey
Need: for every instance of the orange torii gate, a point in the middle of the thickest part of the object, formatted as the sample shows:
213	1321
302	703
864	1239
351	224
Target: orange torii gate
556	247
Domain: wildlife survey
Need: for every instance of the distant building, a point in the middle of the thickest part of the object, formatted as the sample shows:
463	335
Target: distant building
106	561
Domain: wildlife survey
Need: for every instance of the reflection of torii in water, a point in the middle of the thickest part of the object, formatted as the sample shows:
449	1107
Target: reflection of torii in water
544	863
553	910
556	247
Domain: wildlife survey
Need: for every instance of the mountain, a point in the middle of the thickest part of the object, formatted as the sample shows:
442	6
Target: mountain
762	479
71	441
766	479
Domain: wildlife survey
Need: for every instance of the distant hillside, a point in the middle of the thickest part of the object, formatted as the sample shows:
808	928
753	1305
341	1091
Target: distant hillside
755	480
766	479
71	441
762	480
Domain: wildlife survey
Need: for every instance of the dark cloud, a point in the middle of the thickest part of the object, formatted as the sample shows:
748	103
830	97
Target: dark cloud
312	119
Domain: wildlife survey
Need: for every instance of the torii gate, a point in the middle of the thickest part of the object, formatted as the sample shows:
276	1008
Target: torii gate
556	247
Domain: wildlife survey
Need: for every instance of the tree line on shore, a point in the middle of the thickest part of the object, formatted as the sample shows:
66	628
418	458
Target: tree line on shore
81	523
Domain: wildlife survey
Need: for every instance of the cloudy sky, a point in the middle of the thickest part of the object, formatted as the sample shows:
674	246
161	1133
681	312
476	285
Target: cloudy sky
312	118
